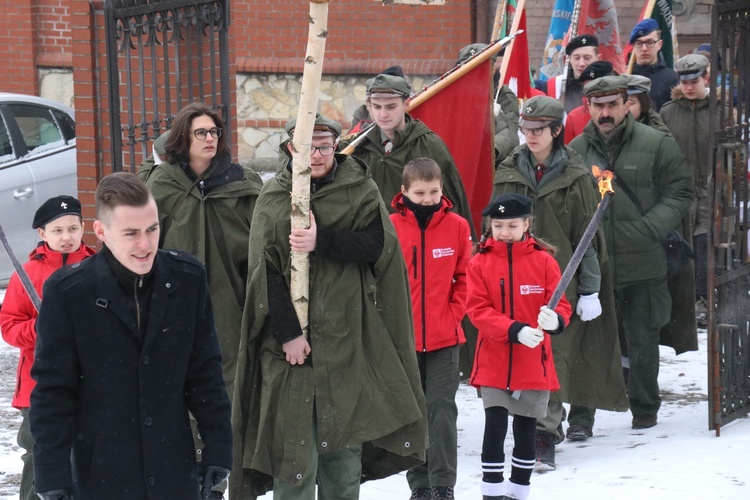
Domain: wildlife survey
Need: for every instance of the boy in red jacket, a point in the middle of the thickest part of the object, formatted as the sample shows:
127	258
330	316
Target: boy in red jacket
436	243
60	226
510	281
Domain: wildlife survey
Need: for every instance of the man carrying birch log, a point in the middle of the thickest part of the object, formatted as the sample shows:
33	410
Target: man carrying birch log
344	404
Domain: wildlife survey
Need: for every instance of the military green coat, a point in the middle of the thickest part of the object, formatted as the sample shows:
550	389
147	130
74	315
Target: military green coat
215	229
653	166
362	373
587	356
415	141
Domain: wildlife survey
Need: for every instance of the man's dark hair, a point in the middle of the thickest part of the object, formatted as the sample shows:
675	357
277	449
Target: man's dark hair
177	146
118	189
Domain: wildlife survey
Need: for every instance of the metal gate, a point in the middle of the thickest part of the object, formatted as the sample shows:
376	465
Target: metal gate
162	55
729	270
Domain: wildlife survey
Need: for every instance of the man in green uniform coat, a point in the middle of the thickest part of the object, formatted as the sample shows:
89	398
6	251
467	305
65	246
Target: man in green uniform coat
398	138
343	404
651	165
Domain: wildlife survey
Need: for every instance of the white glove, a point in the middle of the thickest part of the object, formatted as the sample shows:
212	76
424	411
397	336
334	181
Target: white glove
589	307
548	319
530	337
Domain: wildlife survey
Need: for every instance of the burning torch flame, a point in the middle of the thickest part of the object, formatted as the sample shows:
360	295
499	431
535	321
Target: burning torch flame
603	179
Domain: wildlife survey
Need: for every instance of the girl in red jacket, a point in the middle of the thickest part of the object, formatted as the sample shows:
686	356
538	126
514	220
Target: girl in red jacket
59	224
510	281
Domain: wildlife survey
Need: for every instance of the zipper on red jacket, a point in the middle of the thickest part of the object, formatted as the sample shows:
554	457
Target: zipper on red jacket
424	299
502	295
510	305
414	259
544	359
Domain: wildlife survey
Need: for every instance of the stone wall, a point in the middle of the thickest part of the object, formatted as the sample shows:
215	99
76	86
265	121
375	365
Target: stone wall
265	102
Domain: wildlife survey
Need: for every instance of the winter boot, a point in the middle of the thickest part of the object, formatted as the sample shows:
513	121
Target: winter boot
545	452
517	491
701	313
442	493
578	433
421	494
493	491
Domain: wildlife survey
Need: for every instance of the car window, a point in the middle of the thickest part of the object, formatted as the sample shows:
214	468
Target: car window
66	123
6	148
38	128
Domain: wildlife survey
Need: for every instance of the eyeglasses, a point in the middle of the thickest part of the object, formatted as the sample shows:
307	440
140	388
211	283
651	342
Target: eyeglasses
202	133
324	150
536	132
648	43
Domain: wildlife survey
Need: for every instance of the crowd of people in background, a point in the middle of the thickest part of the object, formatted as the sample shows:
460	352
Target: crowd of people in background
175	355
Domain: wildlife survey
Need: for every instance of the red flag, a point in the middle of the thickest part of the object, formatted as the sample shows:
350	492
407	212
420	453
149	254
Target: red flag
461	114
517	75
599	18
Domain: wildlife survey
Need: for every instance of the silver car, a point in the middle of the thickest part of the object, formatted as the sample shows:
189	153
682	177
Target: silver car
37	162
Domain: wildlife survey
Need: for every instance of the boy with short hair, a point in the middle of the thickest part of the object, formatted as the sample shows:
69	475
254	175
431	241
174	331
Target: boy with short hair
60	226
436	244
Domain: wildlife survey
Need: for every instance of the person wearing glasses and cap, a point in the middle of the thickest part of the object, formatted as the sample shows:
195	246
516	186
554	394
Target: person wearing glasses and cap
649	62
206	203
343	402
564	196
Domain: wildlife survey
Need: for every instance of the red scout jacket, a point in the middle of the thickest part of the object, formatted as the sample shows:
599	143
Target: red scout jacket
576	122
508	284
18	316
436	261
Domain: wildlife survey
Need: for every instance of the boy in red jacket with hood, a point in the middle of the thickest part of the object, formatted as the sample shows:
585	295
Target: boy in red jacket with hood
60	226
436	243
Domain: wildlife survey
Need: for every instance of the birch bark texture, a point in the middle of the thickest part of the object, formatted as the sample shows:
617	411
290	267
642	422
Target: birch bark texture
301	142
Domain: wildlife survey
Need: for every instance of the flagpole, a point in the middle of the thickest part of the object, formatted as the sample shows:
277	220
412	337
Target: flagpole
646	14
454	75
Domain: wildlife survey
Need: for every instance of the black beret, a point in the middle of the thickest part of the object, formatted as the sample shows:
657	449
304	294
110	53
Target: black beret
581	41
596	69
55	208
508	206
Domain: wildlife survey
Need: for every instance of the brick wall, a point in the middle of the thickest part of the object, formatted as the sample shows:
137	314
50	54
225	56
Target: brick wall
53	32
365	36
18	37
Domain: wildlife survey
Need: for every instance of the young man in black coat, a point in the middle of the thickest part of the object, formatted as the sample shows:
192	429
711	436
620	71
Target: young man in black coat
126	348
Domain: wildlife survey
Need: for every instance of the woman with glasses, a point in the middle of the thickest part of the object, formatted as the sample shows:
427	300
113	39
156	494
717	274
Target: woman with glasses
565	198
205	206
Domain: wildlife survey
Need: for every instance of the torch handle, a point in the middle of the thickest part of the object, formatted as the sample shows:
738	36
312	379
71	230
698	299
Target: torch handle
583	245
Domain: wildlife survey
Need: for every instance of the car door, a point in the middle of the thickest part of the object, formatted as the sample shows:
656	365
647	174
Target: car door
43	144
17	200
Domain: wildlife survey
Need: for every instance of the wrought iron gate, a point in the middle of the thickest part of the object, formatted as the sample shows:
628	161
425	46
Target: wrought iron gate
729	270
162	55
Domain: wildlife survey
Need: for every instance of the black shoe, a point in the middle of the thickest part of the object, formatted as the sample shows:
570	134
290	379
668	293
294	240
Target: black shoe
494	497
421	494
578	433
644	421
701	313
442	493
545	452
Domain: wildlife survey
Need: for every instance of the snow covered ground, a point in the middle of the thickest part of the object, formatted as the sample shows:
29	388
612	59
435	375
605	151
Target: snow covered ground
679	458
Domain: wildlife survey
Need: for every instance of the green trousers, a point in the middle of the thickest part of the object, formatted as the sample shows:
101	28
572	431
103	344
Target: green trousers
337	473
26	441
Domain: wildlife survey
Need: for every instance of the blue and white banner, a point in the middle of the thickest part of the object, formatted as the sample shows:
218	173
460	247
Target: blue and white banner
554	55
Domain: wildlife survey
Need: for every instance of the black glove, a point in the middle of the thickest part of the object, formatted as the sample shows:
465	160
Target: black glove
54	495
213	475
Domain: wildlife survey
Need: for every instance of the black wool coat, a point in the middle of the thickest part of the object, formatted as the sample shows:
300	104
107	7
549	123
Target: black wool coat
120	402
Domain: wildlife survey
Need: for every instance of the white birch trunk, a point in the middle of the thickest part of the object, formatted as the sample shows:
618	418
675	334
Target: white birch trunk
308	106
